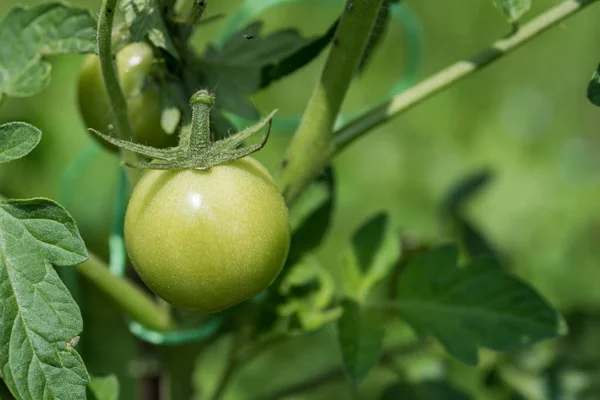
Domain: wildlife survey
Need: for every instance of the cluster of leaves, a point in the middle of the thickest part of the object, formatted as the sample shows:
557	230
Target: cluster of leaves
40	321
245	62
464	305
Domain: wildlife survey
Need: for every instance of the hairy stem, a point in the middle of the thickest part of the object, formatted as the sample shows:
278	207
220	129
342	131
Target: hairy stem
130	298
454	73
312	146
198	138
117	101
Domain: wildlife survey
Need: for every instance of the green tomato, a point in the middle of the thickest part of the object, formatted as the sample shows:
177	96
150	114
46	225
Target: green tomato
144	102
207	240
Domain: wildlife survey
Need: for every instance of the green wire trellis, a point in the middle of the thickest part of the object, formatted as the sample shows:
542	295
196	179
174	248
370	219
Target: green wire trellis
249	10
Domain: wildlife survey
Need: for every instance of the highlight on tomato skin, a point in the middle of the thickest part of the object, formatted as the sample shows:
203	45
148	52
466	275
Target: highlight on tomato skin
207	240
144	100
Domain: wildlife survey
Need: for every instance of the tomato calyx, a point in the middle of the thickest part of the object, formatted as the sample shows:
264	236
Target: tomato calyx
196	150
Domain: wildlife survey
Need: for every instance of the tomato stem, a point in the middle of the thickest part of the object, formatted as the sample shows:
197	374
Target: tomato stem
312	147
117	101
198	137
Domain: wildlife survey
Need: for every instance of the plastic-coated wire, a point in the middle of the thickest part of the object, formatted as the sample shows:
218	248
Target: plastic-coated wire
400	13
116	243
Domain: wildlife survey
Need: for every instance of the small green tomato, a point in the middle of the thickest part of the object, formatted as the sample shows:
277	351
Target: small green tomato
142	92
207	240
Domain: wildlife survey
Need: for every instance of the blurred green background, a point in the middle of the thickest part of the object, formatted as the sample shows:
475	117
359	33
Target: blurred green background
525	117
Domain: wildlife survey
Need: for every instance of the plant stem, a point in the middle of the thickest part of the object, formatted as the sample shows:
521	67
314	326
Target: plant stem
312	146
132	300
117	101
452	74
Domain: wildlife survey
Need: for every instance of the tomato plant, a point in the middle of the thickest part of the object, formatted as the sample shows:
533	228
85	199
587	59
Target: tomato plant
242	252
134	64
208	239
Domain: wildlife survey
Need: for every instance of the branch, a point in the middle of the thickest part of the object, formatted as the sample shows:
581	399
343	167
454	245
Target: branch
312	146
129	297
454	73
116	99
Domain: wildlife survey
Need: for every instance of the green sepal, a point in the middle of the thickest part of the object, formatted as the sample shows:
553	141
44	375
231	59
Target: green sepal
196	148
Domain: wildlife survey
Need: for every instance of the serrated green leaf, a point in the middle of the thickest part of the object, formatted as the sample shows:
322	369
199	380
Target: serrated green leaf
478	305
432	390
593	90
103	388
374	250
360	334
17	139
28	35
145	20
298	59
241	66
38	317
513	9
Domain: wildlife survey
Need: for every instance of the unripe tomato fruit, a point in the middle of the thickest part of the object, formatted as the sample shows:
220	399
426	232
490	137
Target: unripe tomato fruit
207	240
144	103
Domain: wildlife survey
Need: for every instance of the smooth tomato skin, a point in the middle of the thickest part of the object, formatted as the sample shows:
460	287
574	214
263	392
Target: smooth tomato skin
207	240
134	63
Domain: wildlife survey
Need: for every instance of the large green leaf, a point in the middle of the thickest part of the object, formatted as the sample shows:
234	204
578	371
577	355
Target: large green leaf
477	305
422	391
146	21
28	35
17	139
360	333
298	59
39	320
248	61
